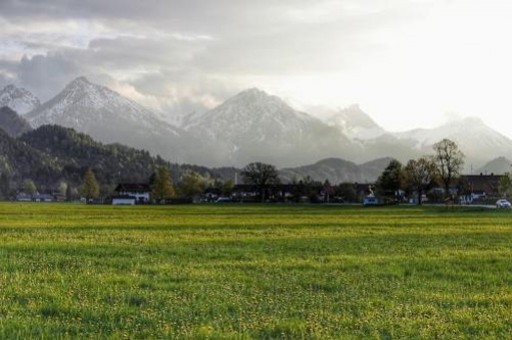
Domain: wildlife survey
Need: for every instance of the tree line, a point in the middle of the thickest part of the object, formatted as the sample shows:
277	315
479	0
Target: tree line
419	175
416	176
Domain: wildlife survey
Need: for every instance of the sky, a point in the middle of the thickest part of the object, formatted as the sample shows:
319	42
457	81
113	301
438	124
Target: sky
408	63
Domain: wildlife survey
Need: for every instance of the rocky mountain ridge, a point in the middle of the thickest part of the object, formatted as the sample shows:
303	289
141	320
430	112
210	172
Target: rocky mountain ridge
18	99
255	126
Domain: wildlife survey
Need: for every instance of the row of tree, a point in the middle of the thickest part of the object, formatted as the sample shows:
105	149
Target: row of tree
191	184
419	175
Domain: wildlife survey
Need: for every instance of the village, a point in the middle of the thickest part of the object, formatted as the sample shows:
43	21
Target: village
469	189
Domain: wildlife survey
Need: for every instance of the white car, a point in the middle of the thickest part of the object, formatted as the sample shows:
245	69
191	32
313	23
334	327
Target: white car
503	203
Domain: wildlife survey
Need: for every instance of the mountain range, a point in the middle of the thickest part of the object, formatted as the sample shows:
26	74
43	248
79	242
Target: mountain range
52	154
250	126
254	126
18	99
110	118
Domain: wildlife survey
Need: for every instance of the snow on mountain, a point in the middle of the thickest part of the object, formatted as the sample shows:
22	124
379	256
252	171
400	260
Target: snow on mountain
251	126
18	99
478	141
255	126
248	110
355	123
109	117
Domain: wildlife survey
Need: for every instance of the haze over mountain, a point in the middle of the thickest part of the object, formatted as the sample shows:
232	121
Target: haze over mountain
497	166
18	99
479	142
12	123
111	118
255	126
355	123
337	171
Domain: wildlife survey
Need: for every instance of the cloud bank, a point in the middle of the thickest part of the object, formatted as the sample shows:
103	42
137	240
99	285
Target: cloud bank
407	62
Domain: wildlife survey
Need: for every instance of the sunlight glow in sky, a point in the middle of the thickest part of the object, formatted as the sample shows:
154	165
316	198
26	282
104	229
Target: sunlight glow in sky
408	63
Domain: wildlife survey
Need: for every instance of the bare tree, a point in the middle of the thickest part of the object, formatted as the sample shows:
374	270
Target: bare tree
420	175
261	175
449	160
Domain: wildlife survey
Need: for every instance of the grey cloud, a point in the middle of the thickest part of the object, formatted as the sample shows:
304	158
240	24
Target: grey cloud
302	48
185	90
220	16
129	52
153	45
45	75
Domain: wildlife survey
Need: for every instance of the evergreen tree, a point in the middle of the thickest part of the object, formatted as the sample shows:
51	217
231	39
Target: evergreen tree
5	185
69	193
392	180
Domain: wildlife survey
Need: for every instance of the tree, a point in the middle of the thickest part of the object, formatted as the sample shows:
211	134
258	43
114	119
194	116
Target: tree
227	187
70	193
305	188
90	187
162	187
449	160
420	174
347	192
29	187
5	185
260	175
505	185
392	180
62	188
328	190
191	184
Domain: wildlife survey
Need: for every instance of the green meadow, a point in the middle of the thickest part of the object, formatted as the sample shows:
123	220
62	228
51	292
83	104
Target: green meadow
254	271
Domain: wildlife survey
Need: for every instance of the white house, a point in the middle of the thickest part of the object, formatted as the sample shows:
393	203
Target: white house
139	191
123	200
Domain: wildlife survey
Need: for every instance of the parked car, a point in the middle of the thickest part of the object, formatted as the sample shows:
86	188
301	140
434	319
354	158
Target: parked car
503	203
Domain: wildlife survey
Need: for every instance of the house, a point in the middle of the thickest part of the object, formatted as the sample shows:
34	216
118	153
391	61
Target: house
37	197
478	187
42	197
23	197
140	191
124	200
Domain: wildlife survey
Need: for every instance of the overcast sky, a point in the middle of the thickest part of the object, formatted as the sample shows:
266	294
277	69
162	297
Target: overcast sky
408	63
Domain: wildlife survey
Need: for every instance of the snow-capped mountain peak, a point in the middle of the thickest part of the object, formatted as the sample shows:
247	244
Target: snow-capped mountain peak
249	111
478	141
254	125
109	117
18	99
355	123
85	97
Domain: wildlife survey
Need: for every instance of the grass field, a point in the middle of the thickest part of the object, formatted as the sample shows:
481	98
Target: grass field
254	271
